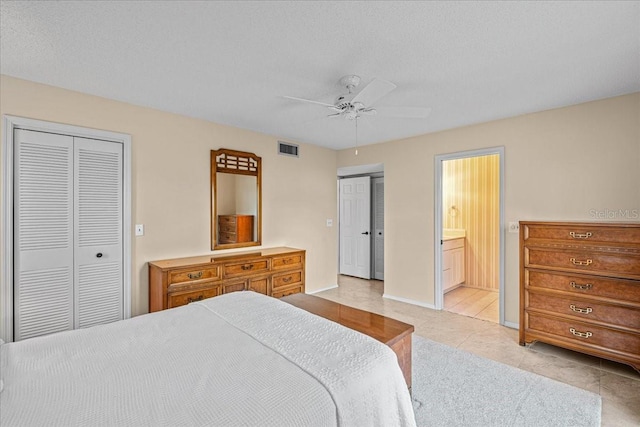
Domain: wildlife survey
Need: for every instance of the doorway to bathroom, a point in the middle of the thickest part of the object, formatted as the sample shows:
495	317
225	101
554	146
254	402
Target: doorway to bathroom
469	236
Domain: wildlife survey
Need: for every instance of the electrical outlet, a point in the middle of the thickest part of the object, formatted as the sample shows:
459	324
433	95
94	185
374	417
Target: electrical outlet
514	227
139	229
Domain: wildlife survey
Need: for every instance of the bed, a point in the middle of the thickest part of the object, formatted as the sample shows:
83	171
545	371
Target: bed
236	359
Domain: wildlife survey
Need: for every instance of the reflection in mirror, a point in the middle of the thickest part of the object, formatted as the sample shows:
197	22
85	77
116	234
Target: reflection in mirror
235	199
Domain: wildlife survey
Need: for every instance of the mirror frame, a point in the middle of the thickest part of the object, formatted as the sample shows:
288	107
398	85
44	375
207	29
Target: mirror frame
239	163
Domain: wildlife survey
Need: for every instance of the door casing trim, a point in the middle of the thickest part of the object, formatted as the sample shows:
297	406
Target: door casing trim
439	298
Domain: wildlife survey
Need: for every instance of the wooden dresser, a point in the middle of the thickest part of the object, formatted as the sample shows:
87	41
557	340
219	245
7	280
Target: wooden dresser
580	287
235	228
275	272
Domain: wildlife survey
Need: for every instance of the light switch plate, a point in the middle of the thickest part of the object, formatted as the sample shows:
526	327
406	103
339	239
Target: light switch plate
329	223
514	227
139	229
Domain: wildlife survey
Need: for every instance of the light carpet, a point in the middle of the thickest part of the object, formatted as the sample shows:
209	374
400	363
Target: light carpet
454	388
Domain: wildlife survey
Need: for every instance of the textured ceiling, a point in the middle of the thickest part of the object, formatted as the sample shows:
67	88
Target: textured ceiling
231	62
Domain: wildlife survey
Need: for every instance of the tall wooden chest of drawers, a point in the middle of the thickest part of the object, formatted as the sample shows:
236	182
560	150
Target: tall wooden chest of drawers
235	228
275	272
580	287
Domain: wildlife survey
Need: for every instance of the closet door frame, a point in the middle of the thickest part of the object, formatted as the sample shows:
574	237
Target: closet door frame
10	123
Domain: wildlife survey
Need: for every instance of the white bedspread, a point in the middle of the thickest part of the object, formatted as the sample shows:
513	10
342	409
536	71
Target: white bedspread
238	359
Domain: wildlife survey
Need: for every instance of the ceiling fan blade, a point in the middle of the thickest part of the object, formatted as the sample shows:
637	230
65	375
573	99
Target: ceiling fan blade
404	112
334	115
373	91
368	112
310	101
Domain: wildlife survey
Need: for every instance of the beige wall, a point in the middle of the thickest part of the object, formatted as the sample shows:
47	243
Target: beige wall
472	186
565	164
170	173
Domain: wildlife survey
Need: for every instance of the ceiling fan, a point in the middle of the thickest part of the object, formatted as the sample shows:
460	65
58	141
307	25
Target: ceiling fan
353	105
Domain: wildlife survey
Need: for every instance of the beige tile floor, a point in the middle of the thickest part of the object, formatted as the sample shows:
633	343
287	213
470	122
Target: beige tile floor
619	385
473	302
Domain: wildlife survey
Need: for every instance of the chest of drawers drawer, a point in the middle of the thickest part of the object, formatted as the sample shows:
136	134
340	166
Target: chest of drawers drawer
287	262
193	274
283	292
586	310
582	233
592	262
227	221
286	279
183	298
582	285
581	334
228	228
227	237
245	267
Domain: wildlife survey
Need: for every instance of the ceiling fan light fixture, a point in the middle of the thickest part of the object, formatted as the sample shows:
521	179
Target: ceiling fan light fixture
350	81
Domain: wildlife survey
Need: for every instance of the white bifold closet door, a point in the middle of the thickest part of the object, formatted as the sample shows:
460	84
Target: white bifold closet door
68	219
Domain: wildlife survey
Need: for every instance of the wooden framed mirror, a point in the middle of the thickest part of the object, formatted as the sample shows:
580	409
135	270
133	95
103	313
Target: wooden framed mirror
236	199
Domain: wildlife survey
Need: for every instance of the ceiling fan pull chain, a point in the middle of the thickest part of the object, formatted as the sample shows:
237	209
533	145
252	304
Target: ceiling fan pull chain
356	119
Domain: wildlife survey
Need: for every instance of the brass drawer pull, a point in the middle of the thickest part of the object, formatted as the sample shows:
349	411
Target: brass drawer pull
587	262
194	276
247	267
584	287
580	235
580	334
287	279
580	310
198	298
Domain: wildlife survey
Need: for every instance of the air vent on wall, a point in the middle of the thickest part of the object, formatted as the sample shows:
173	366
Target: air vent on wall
287	149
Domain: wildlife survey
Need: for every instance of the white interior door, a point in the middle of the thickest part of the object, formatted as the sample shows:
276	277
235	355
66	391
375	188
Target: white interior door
98	232
355	227
43	234
68	233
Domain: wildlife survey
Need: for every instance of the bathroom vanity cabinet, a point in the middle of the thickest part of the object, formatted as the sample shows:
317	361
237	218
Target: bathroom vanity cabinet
453	263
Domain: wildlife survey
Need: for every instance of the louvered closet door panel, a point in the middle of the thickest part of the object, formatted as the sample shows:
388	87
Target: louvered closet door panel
98	232
43	224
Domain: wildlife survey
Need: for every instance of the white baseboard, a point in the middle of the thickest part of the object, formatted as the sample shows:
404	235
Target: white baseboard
320	290
409	301
511	325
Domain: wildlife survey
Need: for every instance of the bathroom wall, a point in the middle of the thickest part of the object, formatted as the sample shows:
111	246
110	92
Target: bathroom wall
471	201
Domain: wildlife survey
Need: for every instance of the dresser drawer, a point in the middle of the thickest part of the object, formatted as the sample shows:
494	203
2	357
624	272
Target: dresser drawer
227	237
586	334
287	262
286	279
572	233
287	291
176	300
612	264
227	220
193	274
246	267
586	310
235	285
227	228
588	286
